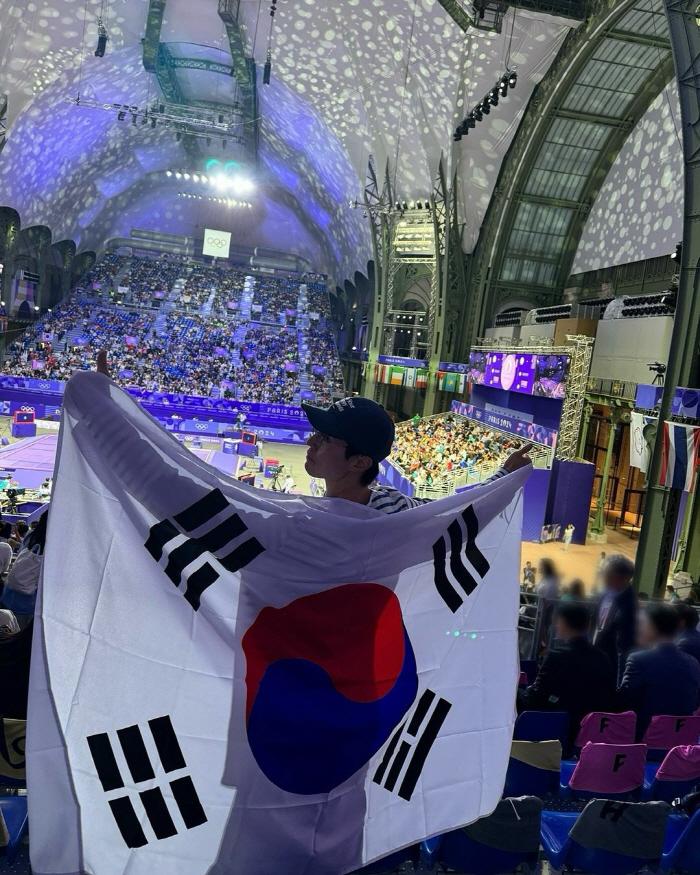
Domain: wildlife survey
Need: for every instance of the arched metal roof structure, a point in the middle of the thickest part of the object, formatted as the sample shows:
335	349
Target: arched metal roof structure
606	75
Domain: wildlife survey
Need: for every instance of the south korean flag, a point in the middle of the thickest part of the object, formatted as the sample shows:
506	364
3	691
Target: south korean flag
237	683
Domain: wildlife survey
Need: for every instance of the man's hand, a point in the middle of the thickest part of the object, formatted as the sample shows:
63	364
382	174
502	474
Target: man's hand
518	459
102	367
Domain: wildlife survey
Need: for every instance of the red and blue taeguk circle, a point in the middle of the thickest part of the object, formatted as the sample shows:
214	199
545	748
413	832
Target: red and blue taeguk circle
328	677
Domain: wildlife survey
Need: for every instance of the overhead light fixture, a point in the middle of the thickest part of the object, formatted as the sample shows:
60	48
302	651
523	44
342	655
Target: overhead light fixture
178	175
186	175
168	172
485	107
477	114
494	96
512	79
121	116
101	39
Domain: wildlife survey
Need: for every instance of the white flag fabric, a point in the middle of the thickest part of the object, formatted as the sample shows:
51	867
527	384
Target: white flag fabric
639	449
227	681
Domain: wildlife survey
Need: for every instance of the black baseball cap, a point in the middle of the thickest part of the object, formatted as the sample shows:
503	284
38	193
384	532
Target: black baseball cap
363	424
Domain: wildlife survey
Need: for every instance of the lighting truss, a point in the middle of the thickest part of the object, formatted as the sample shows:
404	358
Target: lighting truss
193	121
500	90
225	201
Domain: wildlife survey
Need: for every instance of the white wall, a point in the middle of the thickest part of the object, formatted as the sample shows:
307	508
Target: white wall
638	213
624	347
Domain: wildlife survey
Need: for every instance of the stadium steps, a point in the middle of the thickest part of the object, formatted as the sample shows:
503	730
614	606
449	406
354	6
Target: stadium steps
205	309
159	324
246	302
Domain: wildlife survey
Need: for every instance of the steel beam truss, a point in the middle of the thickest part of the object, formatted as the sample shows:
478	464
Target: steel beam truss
657	534
572	409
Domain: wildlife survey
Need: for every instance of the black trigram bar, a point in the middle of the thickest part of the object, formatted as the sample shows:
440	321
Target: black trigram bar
215	539
167	745
461	573
152	799
396	755
136	754
128	822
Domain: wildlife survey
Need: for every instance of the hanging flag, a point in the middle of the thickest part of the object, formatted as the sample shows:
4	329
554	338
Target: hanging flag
639	448
448	383
461	384
680	455
409	377
244	729
421	378
396	378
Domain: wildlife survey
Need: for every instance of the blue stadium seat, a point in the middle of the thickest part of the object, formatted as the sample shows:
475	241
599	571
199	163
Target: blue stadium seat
564	852
464	853
14	813
533	769
542	726
683	852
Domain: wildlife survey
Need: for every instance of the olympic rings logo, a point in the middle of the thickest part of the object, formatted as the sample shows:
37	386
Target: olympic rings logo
201	426
27	410
216	241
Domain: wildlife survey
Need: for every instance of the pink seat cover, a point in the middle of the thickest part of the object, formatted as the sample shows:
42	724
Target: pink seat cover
665	731
609	768
603	727
681	763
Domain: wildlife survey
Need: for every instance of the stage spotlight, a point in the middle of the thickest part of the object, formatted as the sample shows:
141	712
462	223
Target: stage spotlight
493	97
267	71
412	205
178	175
186	175
195	177
168	172
121	116
485	107
512	79
477	114
457	135
470	122
503	86
677	255
35	307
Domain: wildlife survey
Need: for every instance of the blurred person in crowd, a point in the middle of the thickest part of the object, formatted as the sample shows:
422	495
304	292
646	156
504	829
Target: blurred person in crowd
614	626
548	589
688	639
575	676
659	678
5	553
574	591
671	594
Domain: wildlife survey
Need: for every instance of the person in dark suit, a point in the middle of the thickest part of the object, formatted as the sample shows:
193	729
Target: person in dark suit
575	677
659	679
688	639
614	627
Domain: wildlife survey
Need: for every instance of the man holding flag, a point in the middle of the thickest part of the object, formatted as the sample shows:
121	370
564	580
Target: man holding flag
277	683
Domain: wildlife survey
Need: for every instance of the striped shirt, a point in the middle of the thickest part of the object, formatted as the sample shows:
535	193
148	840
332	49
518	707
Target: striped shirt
390	500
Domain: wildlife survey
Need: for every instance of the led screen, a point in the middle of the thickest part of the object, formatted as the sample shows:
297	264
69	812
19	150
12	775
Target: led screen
551	375
477	367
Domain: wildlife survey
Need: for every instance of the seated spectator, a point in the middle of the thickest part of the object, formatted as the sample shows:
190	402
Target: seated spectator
22	582
19	533
671	594
15	657
659	679
574	676
688	640
5	552
614	626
